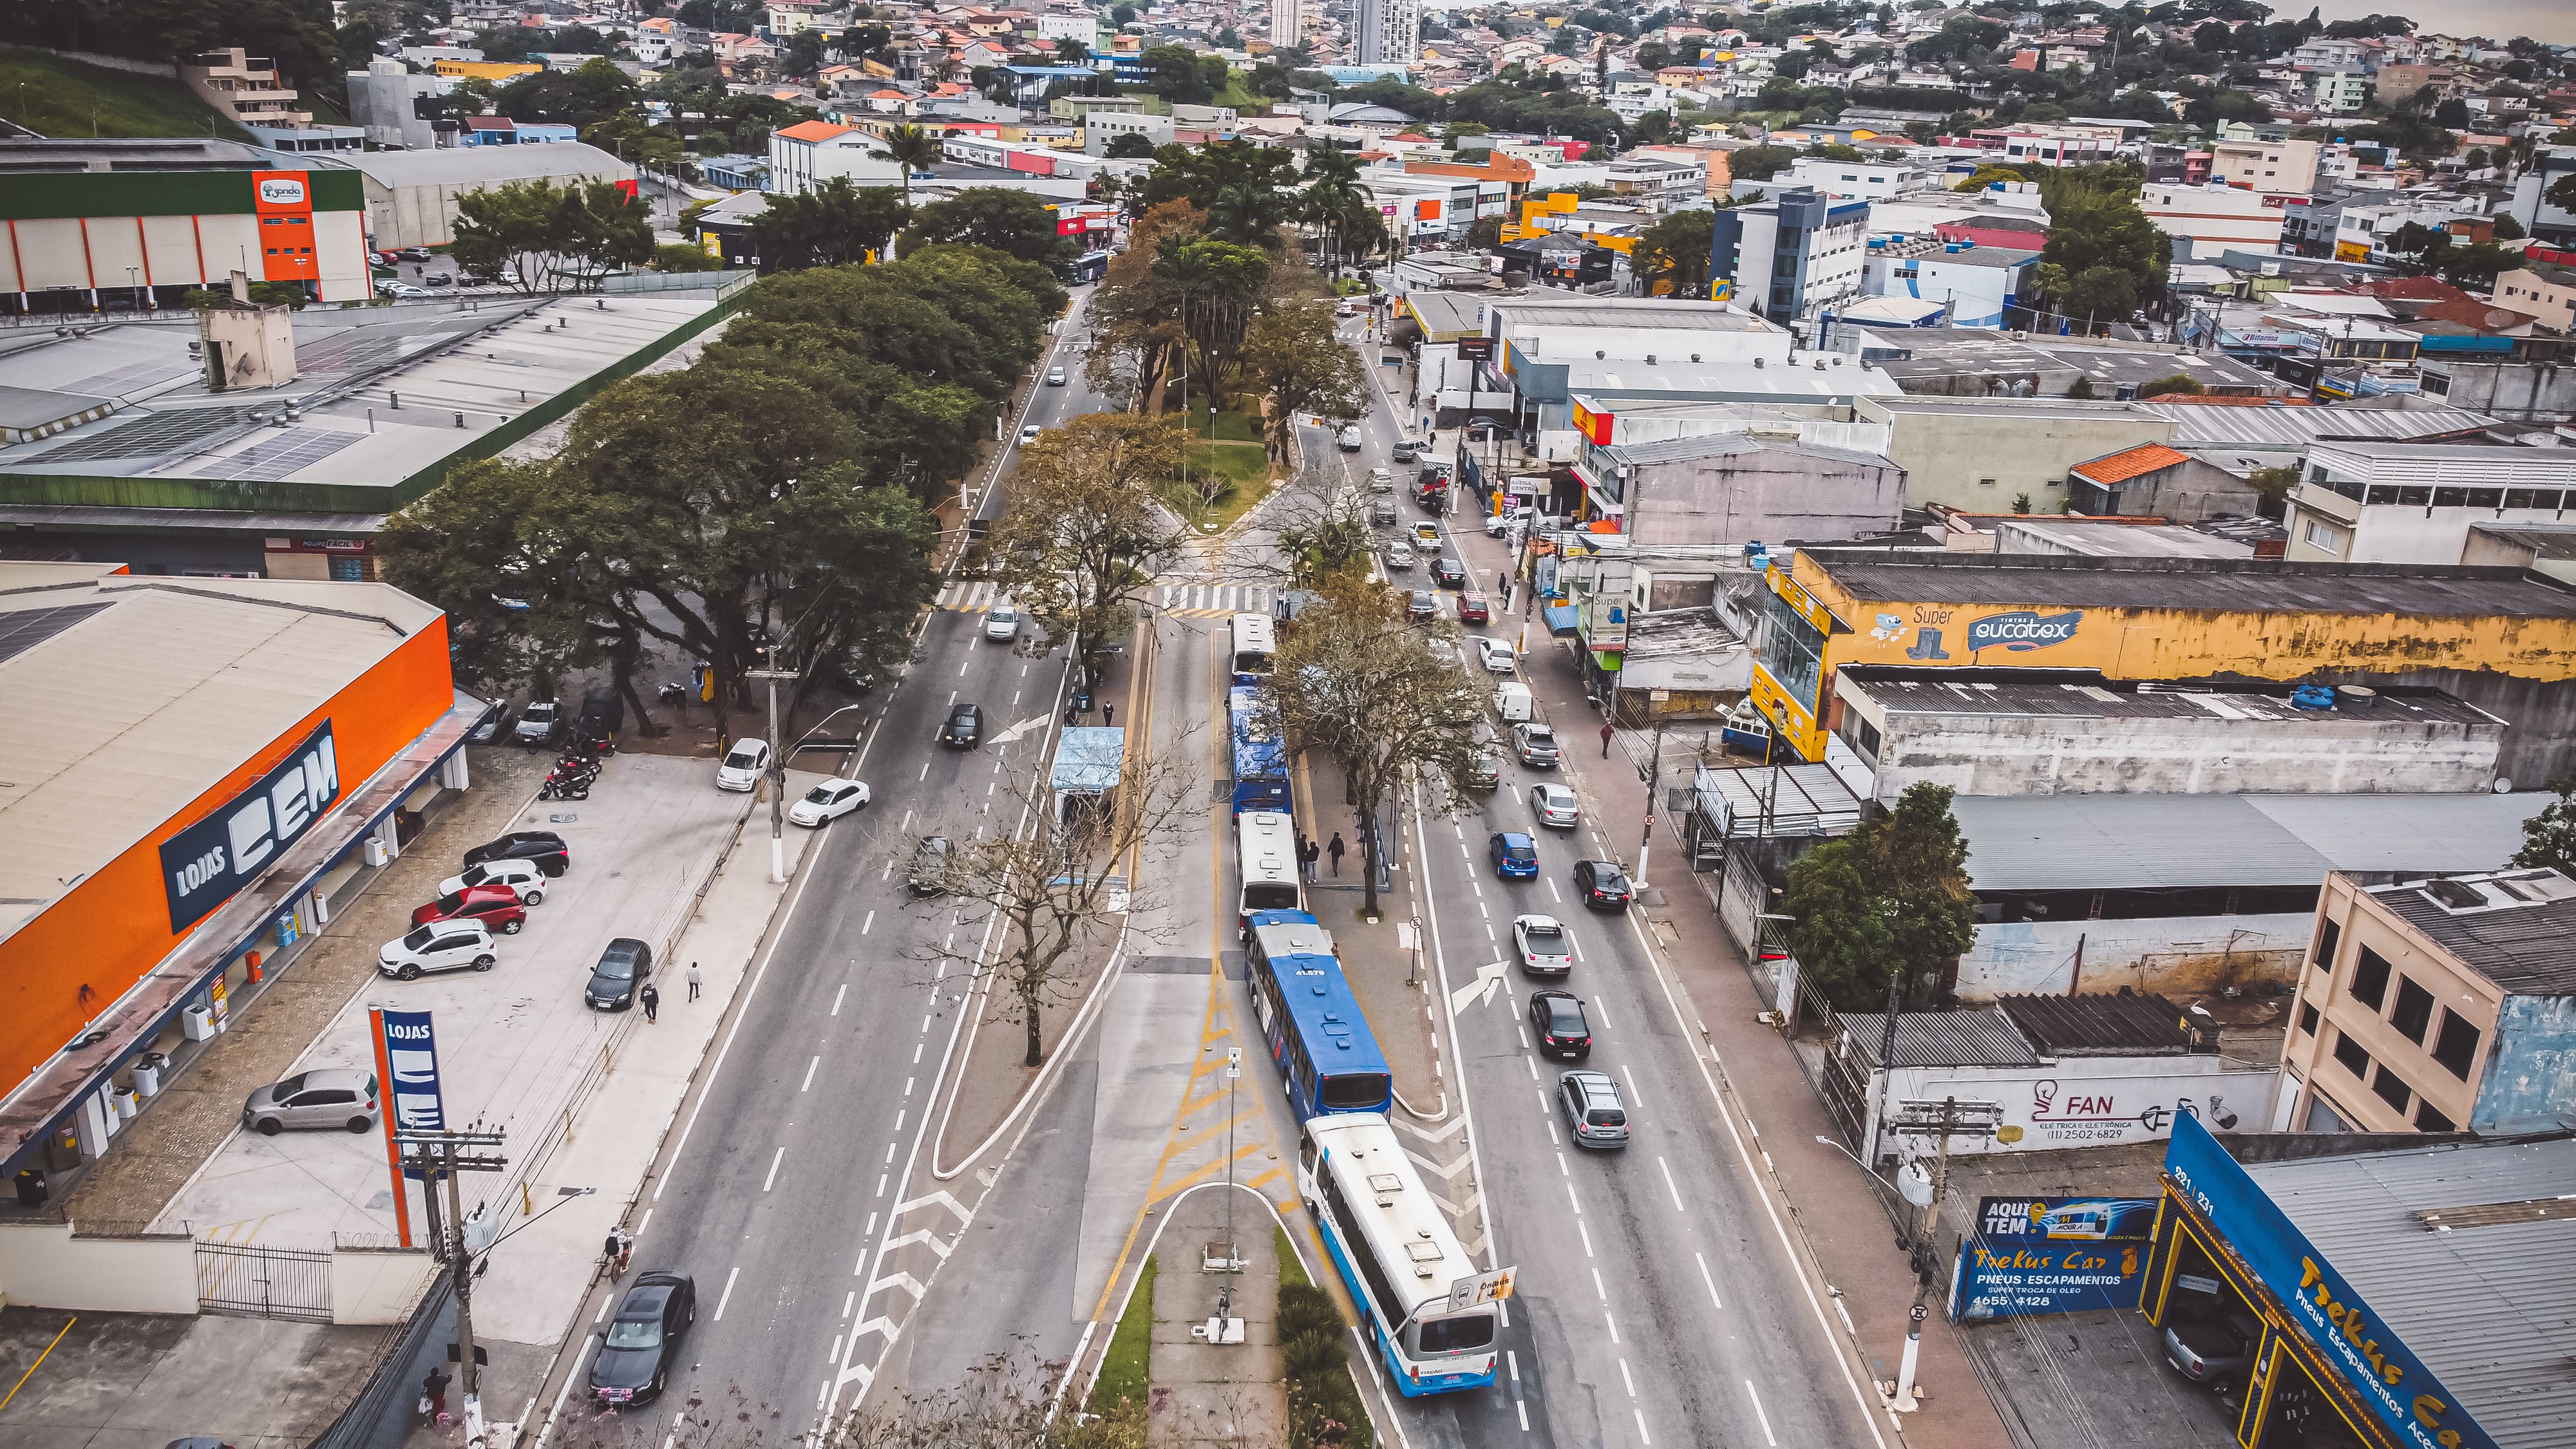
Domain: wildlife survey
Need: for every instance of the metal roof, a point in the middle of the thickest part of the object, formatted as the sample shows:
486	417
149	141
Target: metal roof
1776	800
2106	1024
1899	689
464	165
2478	1305
2524	947
2200	585
1981	1038
1725	445
2143	842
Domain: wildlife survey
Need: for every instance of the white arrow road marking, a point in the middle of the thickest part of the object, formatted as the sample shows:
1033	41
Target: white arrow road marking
1448	1171
942	1199
1436	1134
1023	727
1489	978
874	1325
904	1281
922	1236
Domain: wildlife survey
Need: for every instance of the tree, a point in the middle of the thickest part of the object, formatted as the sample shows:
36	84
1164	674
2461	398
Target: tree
1759	163
1889	905
1293	360
833	225
2181	382
685	257
1320	531
2476	266
2549	837
1218	284
1237	184
1015	223
1130	146
1179	76
580	98
538	236
1671	257
1840	937
2562	192
2452	114
1359	683
1083	535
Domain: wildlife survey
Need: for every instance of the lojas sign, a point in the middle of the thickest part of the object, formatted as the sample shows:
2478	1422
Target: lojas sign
204	864
411	1060
2052	1255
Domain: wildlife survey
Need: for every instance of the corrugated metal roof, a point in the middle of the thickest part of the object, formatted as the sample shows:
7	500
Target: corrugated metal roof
2407	833
2526	947
2094	842
2199	425
1981	1038
2487	1309
2104	1024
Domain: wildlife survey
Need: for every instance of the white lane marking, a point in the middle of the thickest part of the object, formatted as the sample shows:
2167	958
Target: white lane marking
881	1182
916	1052
1710	1281
1636	1099
1628	1378
809	1075
1523	1406
1767	1436
1598	1014
604	1305
963	664
871	1227
870	921
1641	1417
907	1086
1586	1232
1570	1197
1614	1325
925	1023
1669	1185
1561	1169
925	772
837	996
1533	1066
898	1119
1577	945
890	1153
1602	1293
774	1160
849	1303
1514	1360
727	1296
1551	891
889	869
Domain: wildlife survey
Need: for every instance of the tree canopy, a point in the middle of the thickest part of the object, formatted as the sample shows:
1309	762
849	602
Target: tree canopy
538	236
1888	903
1014	223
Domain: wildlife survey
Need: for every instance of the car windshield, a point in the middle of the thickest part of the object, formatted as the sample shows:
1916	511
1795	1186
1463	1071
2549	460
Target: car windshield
288	1088
635	1333
451	902
1465	1332
420	939
1519	852
743	756
821	795
1610	880
617	966
540	711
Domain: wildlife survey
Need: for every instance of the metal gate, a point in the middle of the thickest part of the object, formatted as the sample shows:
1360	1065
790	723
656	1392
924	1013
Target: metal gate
257	1282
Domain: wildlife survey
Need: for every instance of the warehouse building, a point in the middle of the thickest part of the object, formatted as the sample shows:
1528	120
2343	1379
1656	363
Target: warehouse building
410	196
135	240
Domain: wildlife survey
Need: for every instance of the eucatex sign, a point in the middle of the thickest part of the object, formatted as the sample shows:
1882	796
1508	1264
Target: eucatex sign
204	864
2023	629
2322	1307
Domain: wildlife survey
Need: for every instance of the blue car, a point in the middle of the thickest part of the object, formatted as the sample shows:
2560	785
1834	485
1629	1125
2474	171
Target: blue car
1515	855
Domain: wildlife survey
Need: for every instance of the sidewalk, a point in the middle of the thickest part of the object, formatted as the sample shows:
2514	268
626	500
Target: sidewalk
1374	960
1204	1393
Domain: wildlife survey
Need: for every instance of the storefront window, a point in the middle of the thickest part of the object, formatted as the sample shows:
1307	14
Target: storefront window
1792	652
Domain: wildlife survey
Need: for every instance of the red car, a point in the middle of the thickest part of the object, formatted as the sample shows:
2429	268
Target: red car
1474	608
496	906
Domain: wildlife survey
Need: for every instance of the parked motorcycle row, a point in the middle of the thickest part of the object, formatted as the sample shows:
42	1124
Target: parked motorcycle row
578	770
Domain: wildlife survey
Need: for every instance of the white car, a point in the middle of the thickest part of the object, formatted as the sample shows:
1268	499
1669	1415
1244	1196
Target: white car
1542	945
829	801
1498	524
1497	654
1553	805
743	765
521	876
1381	480
459	945
1002	623
1055	377
1028	435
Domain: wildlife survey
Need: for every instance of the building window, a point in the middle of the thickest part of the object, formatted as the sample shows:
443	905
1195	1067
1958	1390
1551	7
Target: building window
2429	1120
2329	933
1985	482
2370	979
2392	1089
2457	1047
2414	1010
2307	1019
2354	1059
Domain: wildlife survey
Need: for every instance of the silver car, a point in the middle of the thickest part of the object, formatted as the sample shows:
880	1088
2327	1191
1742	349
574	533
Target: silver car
1541	944
1593	1111
328	1099
1553	805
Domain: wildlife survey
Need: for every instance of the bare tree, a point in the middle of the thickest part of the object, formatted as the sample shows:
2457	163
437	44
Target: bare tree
1065	885
1319	529
1085	532
1363	685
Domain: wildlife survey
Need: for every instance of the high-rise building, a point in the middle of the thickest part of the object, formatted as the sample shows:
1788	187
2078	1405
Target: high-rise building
1390	32
1287	23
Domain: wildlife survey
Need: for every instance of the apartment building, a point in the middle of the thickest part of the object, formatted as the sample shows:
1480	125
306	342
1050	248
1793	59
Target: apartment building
2270	167
2414	503
2215	219
2437	1006
245	87
1793	257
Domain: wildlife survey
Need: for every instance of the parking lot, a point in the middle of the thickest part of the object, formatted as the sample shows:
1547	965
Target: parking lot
436	275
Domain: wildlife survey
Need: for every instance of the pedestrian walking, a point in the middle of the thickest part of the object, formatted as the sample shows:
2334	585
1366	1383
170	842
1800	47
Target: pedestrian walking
433	1394
1335	851
1104	714
1308	853
693	981
1606	733
652	1000
1503	582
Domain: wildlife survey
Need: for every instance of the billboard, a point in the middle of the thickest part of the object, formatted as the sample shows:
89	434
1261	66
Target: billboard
2052	1255
204	864
411	1075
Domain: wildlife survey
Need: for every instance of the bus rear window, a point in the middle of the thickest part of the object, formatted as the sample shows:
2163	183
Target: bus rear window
1355	1091
1270	896
1465	1332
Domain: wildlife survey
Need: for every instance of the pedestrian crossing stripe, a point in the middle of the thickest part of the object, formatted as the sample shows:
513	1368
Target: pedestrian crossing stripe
1188	601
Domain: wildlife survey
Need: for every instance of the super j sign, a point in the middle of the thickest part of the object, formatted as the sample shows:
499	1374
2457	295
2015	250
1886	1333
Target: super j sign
2052	1255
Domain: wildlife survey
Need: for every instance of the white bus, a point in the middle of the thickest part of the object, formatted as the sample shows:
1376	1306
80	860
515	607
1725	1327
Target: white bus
1394	1249
1254	645
1266	874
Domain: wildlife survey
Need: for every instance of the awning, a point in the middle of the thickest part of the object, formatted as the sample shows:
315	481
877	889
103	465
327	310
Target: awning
1561	618
1605	661
1087	760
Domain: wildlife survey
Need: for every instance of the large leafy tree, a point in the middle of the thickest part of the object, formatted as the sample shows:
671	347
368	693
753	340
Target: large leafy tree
539	236
584	97
1083	535
1135	313
1888	906
1012	222
1218	283
1671	257
833	225
1293	360
1241	187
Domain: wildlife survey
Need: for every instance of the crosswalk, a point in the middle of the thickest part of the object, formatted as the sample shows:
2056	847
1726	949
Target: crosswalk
1189	601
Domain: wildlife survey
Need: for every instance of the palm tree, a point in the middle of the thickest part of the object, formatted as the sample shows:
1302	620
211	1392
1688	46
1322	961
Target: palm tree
912	148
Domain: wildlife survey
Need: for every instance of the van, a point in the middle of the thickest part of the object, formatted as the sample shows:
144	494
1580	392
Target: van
1350	439
1512	702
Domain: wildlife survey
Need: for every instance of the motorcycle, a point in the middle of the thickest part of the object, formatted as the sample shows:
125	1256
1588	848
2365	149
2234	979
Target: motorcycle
673	693
554	789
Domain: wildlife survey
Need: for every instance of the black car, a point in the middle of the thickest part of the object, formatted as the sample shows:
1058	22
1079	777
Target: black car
643	1343
965	727
1603	886
620	973
1448	573
544	848
1556	1017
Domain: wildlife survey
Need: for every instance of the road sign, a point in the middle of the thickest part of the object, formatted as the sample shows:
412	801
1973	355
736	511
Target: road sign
1483	1288
1489	978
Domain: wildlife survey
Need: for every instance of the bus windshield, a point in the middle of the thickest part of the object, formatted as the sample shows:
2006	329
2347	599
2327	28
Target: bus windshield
1269	896
1355	1091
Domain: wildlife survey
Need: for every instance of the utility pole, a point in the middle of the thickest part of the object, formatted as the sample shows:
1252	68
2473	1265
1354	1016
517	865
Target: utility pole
777	771
1919	1250
1654	777
449	1154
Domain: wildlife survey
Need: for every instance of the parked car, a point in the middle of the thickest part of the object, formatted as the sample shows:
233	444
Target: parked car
403	290
444	946
2216	1350
1350	440
490	727
1381	480
544	847
635	1359
1448	573
829	801
326	1099
1535	743
1556	1019
1553	805
1543	946
1423	605
929	874
1474	608
1512	700
1055	377
744	764
539	723
1514	854
1002	622
1594	1115
1399	559
1498	524
497	907
418	254
522	876
965	727
1496	655
439	279
1602	885
619	973
1425	537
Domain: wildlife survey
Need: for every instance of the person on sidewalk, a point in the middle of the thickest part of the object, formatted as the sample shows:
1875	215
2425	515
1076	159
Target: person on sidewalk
433	1395
1308	854
1606	732
652	999
693	981
1503	582
1335	851
1104	714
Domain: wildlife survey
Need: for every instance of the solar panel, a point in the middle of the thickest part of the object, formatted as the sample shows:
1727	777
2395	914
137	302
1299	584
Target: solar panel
275	457
27	628
126	379
145	436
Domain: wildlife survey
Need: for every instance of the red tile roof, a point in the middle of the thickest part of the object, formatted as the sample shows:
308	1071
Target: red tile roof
2135	462
813	131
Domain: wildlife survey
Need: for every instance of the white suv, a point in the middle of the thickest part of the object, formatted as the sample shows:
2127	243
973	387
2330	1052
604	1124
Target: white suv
522	876
1002	623
459	945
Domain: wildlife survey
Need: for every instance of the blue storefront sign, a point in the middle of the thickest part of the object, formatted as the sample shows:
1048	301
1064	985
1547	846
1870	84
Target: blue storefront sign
411	1059
2322	1306
204	864
2052	1255
2023	629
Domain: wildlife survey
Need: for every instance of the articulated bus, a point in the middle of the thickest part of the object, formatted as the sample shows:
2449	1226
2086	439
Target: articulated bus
1395	1252
1328	1058
1266	842
1253	647
1260	756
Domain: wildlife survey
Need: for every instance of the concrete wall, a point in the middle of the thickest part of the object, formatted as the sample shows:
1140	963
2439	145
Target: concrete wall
378	1285
2091	1101
1976	459
2170	955
2190	493
2529	1084
2540	744
43	1265
2522	392
1775	493
2085	755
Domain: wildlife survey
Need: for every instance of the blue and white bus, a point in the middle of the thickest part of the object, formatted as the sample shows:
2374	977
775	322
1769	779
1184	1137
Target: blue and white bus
1252	648
1260	756
1328	1059
1393	1246
1266	876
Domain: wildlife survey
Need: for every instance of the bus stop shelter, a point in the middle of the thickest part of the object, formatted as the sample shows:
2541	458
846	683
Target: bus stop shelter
1087	765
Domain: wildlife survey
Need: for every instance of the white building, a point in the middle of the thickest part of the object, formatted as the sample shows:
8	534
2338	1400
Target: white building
2416	502
2362	233
1390	32
1791	258
1287	22
803	156
2343	92
1974	283
2265	166
1856	180
2214	219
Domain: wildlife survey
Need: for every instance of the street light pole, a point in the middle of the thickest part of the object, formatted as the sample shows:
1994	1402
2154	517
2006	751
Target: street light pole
777	771
1654	773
